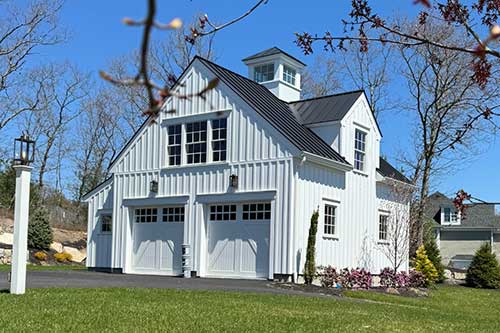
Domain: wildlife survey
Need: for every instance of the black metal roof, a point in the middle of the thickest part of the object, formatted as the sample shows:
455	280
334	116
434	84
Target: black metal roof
387	170
275	111
325	108
272	51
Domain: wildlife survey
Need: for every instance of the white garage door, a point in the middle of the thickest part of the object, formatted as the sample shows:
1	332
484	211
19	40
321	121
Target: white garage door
238	244
158	235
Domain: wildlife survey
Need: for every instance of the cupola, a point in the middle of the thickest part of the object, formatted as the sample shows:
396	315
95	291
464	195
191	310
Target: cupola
277	71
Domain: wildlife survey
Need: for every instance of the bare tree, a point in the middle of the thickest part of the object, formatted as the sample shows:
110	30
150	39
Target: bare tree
322	77
351	69
395	222
447	103
22	32
63	88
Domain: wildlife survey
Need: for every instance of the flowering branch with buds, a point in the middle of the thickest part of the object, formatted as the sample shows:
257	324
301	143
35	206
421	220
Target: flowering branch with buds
142	78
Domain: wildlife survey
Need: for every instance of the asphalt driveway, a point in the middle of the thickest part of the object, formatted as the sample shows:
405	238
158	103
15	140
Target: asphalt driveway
87	279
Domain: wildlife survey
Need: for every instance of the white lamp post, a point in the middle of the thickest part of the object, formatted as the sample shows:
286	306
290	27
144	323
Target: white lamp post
24	150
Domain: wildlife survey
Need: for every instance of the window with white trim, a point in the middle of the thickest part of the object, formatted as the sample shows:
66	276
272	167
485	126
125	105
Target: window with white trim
289	74
174	144
257	211
106	223
329	220
173	214
196	142
219	139
263	73
146	215
359	150
223	213
383	222
449	216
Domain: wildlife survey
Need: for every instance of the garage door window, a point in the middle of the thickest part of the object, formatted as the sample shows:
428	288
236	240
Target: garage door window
146	215
223	213
173	214
257	211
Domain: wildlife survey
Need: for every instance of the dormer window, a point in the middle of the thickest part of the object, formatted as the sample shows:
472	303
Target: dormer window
359	150
264	73
449	216
289	74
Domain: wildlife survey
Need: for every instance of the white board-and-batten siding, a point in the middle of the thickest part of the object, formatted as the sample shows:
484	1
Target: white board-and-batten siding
260	156
99	243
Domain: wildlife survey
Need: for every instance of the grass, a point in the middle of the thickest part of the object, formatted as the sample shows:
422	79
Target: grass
6	268
456	309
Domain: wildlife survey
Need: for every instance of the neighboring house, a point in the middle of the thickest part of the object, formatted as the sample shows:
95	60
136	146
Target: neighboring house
460	236
233	179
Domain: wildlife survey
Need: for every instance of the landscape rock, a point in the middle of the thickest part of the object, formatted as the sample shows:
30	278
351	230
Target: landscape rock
392	291
7	238
418	292
56	246
76	255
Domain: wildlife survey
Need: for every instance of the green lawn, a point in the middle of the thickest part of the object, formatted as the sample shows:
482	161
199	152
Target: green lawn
456	309
6	268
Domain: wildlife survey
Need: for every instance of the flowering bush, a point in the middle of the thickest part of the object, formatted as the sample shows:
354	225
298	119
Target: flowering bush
40	256
390	279
351	279
356	278
329	277
416	279
63	257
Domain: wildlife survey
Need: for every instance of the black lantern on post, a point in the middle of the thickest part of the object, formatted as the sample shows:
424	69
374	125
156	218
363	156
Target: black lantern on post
24	150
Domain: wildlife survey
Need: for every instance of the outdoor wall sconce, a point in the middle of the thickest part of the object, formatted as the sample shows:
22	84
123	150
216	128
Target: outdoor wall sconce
233	181
24	150
153	186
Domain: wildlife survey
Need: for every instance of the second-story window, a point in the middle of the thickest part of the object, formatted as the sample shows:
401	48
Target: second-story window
449	215
359	150
219	139
289	74
196	142
264	73
174	144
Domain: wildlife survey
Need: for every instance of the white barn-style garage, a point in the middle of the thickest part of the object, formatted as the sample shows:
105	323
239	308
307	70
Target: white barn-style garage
234	179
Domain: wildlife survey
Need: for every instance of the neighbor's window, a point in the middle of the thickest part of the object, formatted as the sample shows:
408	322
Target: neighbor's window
263	73
382	226
359	150
106	223
449	215
289	74
173	214
223	213
196	142
174	144
219	139
146	215
329	223
257	211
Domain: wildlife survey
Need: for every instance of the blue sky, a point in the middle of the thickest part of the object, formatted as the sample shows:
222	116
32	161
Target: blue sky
97	36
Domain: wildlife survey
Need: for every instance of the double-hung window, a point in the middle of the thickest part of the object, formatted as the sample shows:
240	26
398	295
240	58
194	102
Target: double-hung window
329	220
174	144
289	74
106	223
359	150
383	222
196	142
450	216
264	73
219	139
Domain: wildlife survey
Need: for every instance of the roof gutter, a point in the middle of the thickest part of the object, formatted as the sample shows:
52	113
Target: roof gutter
323	161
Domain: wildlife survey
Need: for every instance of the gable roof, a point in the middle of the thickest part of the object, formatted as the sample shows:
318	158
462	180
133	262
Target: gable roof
275	111
325	108
387	170
272	51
